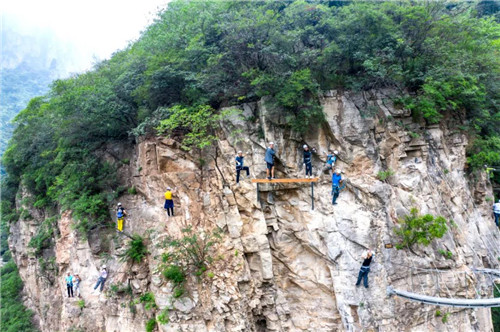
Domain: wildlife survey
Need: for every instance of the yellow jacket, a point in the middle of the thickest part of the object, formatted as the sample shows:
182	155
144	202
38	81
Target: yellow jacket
168	195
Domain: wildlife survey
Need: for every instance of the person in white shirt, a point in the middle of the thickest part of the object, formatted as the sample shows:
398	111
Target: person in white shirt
496	212
102	278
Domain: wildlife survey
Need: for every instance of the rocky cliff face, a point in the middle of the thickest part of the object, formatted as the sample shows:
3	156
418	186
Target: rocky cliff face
281	266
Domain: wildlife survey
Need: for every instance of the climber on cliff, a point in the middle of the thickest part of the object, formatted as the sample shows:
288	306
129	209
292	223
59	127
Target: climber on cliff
336	183
76	283
496	212
308	160
169	202
120	215
69	284
102	278
365	268
331	159
269	158
239	166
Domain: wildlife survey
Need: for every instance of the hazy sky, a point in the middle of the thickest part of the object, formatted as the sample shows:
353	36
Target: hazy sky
96	27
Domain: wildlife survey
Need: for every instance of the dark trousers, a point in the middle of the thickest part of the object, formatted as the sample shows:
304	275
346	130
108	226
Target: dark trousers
169	207
497	217
363	274
335	193
70	290
101	282
238	171
309	169
170	211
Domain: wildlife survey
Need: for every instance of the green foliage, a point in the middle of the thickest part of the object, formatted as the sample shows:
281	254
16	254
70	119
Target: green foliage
148	299
136	249
81	304
438	313
163	317
44	237
150	325
444	319
417	229
384	175
446	253
132	190
175	274
197	124
14	316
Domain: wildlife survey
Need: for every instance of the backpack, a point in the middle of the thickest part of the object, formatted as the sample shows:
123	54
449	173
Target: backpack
119	213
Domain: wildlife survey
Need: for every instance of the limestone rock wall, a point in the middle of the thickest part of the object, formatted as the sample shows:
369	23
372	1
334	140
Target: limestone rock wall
281	266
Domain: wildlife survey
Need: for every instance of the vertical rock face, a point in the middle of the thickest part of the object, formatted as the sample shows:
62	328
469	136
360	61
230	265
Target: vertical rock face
282	266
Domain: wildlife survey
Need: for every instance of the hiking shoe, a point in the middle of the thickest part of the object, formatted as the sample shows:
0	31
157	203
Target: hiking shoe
269	178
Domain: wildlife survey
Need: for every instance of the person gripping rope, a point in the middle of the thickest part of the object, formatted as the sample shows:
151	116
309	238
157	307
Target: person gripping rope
239	166
365	268
102	278
76	284
336	182
269	158
120	215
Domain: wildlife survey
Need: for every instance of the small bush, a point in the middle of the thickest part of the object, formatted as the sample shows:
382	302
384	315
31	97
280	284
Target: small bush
163	317
136	250
445	318
384	175
416	229
175	274
446	253
132	190
438	313
125	161
148	299
178	291
210	274
81	304
150	325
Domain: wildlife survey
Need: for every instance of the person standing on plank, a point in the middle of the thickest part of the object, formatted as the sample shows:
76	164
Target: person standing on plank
69	284
240	167
120	215
308	160
269	158
169	202
365	268
336	182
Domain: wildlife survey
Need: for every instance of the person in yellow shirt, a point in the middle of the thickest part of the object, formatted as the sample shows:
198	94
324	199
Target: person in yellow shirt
169	202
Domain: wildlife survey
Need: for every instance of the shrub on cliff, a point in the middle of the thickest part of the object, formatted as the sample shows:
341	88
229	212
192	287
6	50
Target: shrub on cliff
418	229
136	249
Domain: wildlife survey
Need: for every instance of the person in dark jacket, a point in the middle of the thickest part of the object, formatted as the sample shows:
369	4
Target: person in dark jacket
239	166
307	161
365	268
269	158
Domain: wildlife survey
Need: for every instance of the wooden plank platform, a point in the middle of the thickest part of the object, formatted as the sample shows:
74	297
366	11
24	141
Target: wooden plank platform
285	180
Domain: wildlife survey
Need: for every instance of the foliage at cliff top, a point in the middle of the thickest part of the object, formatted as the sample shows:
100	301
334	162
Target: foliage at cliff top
201	54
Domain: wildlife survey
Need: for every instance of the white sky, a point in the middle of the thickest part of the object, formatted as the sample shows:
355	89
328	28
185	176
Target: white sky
96	27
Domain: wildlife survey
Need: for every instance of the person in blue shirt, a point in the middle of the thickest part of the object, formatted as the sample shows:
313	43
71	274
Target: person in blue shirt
69	284
308	160
331	159
336	181
269	158
240	167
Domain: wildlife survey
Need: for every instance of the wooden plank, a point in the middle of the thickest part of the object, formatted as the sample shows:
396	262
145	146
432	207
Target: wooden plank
284	180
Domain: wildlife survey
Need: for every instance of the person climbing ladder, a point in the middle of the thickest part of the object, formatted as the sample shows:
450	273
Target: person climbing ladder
169	202
239	166
269	158
496	212
365	268
336	182
308	160
120	215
